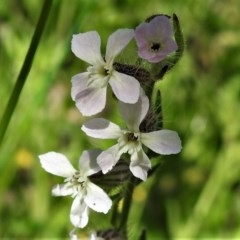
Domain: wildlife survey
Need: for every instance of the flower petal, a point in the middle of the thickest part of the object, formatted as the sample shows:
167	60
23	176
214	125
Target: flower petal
73	235
140	164
97	199
101	128
117	42
57	164
86	46
93	236
88	162
125	87
79	83
161	26
91	101
79	213
63	189
162	141
133	114
108	158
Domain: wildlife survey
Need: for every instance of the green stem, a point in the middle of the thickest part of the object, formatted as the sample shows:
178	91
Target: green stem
127	204
25	68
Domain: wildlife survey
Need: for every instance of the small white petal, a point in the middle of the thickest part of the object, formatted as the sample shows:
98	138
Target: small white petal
163	141
97	199
88	162
139	166
79	213
101	128
133	114
91	101
125	87
108	158
73	235
93	236
57	164
79	83
117	42
63	189
86	46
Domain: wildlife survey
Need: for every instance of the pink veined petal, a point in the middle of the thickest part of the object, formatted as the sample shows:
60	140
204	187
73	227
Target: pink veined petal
57	164
163	141
79	213
139	166
145	53
88	162
134	114
86	46
143	34
156	57
91	100
63	189
161	26
125	87
101	128
108	158
97	199
79	83
170	46
117	42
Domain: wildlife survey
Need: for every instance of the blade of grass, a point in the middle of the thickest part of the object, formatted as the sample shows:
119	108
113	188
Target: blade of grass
21	79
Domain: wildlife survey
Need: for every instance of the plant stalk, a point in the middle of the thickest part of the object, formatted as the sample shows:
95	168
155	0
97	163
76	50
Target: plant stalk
21	79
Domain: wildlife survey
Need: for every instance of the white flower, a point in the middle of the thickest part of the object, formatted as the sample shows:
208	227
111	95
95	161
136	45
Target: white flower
89	89
85	193
92	236
130	140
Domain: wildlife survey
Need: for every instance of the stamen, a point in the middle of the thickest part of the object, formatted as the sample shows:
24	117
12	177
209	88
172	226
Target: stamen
132	137
106	72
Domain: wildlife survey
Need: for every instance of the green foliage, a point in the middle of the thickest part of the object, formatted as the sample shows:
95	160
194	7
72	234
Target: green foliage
195	194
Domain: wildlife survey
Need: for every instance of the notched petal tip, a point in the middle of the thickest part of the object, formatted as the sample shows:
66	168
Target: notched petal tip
139	172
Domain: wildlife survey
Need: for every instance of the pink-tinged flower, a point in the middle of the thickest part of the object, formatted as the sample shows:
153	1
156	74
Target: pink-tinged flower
154	39
89	89
130	140
77	184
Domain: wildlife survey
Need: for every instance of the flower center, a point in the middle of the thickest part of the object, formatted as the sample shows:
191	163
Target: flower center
129	142
98	75
131	137
155	47
78	181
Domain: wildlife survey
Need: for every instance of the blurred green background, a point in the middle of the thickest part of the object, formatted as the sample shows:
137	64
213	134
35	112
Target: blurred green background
196	194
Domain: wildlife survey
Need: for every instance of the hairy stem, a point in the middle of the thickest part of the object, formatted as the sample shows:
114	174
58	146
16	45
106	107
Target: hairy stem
127	204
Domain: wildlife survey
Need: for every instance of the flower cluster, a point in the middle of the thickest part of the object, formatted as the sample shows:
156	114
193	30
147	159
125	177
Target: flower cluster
154	41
